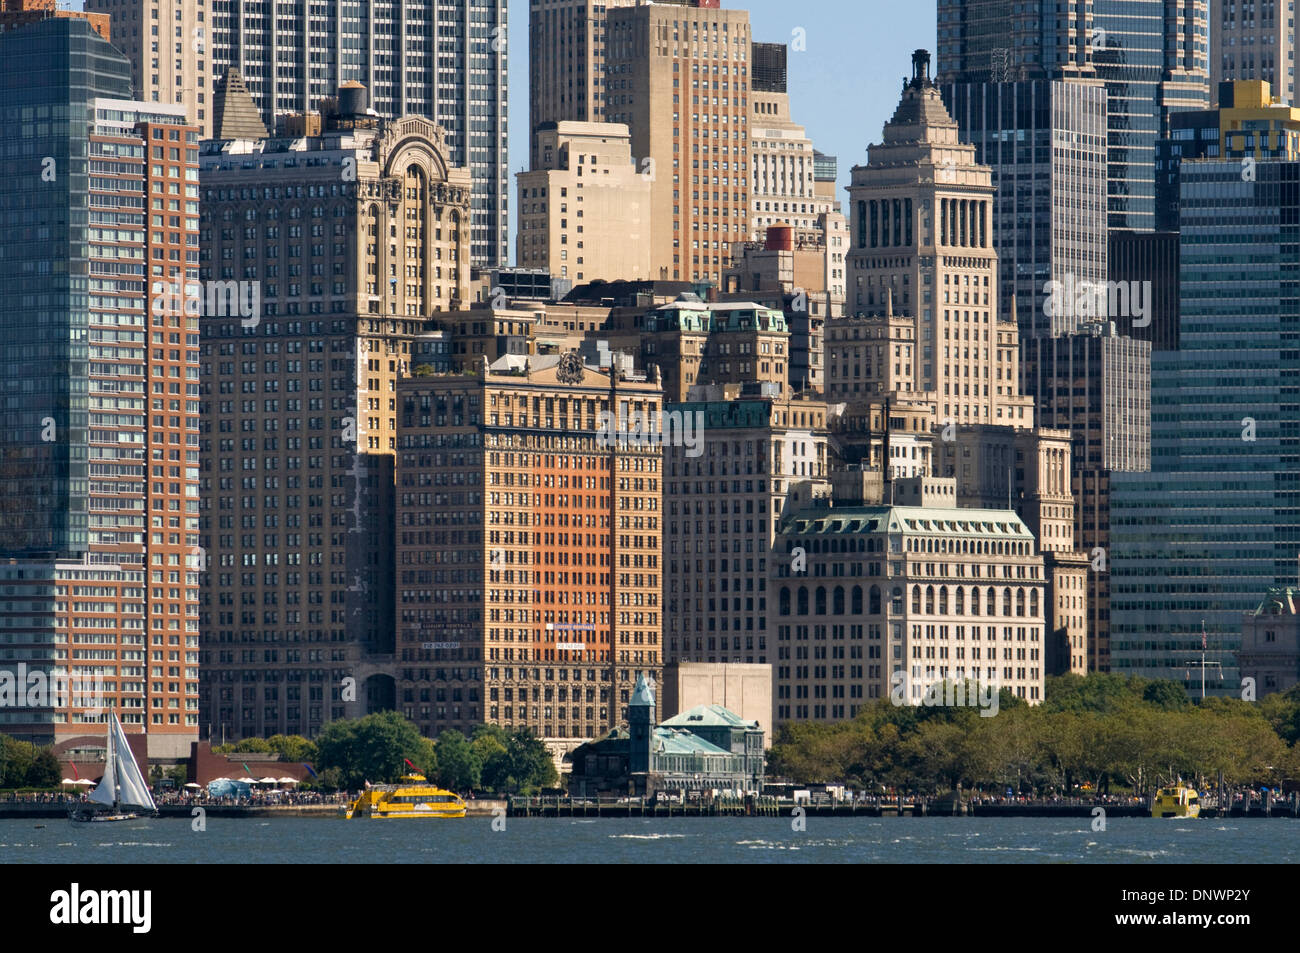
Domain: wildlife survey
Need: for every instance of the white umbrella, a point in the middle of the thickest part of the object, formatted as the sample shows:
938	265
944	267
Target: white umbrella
287	781
67	781
268	781
84	781
193	785
248	780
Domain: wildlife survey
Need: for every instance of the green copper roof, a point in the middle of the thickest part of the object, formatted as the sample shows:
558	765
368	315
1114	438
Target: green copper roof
643	694
909	520
708	716
1279	602
680	741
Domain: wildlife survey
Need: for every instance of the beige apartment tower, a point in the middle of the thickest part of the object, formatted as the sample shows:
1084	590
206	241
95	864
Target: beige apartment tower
566	63
1251	40
169	45
584	210
679	77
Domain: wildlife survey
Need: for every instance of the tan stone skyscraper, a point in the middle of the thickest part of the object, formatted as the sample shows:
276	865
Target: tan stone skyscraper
679	77
922	247
566	63
351	239
584	209
169	45
1253	41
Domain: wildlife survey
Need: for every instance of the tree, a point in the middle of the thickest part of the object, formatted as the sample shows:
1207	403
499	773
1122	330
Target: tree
292	748
530	764
460	767
375	748
44	770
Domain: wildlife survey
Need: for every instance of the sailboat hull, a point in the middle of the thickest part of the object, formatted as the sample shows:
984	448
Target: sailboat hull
96	818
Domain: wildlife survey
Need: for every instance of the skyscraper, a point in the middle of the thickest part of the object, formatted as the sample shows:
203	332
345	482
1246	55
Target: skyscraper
566	63
351	238
1095	384
528	542
1045	141
922	250
1151	55
99	401
1215	524
446	62
1254	41
678	75
783	188
167	42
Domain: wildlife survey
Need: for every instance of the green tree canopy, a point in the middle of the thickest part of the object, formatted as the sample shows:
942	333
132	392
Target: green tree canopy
374	748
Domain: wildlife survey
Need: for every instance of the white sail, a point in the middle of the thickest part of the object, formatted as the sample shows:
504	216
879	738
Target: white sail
135	791
106	791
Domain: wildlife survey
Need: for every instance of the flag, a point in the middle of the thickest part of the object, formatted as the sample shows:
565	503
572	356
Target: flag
249	770
75	775
408	761
309	770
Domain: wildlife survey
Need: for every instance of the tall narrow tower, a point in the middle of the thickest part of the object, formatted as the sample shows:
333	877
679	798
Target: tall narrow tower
922	249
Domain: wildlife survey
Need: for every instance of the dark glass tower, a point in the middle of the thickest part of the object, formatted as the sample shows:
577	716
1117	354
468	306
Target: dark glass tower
1216	523
50	73
1151	55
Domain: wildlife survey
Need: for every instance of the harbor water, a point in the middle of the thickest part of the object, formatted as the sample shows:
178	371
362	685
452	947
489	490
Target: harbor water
858	840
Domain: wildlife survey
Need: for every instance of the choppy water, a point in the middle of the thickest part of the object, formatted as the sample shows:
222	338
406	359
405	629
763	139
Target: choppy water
679	840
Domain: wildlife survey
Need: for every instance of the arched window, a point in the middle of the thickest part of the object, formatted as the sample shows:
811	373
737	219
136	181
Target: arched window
1006	601
803	600
873	606
916	599
959	598
837	601
929	600
943	600
821	600
785	600
975	601
991	604
856	604
896	600
1033	602
1020	602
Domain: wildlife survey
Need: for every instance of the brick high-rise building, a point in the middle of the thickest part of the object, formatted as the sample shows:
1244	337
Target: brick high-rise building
99	447
352	239
529	539
679	76
761	457
584	209
168	44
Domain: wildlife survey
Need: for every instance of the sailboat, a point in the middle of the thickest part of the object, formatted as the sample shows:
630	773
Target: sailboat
122	787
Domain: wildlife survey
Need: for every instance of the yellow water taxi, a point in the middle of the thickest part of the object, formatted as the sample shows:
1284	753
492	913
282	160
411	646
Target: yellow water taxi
1178	800
414	796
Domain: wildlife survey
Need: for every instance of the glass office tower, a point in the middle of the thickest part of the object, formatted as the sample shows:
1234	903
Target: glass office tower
1151	55
50	74
1217	521
1049	212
